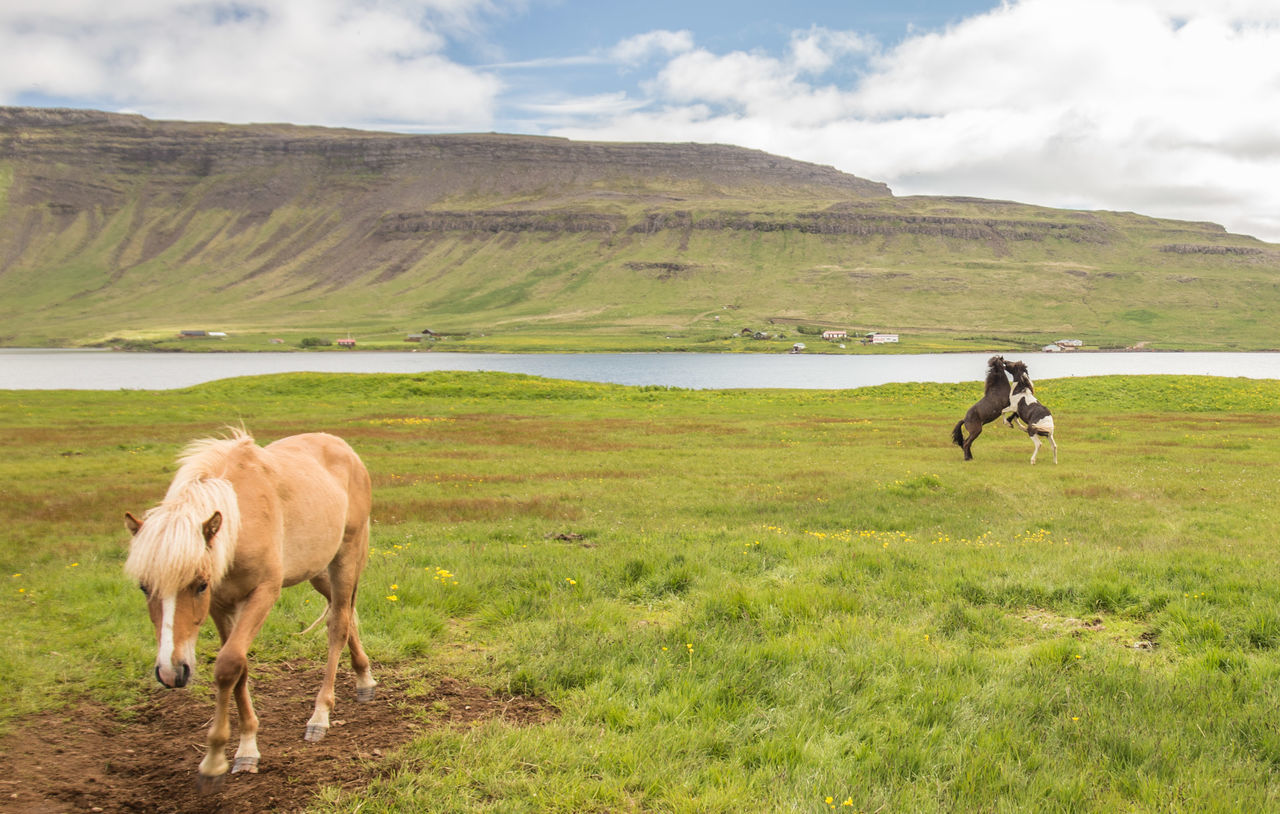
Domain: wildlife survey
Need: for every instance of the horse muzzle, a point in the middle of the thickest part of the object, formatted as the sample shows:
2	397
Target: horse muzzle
174	678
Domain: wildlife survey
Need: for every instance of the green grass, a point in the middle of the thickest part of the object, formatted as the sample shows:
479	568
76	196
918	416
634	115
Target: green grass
766	598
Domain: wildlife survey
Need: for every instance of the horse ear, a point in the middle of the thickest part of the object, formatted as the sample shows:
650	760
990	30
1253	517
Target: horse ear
132	523
211	527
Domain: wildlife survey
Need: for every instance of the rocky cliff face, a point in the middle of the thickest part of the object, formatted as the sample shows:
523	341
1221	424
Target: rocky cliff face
487	163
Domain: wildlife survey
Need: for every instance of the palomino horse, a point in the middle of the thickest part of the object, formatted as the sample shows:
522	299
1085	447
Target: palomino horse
238	523
994	401
1035	415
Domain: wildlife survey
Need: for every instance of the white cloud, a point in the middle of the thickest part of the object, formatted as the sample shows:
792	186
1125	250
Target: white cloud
818	49
605	104
654	43
313	61
1167	107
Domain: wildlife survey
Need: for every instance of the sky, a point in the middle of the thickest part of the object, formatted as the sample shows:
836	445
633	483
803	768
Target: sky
1168	108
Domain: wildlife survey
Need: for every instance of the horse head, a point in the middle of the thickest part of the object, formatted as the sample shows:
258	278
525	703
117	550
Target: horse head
169	556
1021	377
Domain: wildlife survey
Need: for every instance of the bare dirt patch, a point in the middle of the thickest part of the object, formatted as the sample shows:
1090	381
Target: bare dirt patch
92	758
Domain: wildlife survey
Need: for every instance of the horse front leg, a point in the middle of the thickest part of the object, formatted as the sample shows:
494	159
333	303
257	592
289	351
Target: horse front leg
230	677
247	754
1011	417
213	768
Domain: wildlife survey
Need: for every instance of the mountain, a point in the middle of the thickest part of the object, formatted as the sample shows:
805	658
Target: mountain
116	227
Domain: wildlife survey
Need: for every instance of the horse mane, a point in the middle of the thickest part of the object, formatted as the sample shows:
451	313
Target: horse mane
1022	379
995	372
170	550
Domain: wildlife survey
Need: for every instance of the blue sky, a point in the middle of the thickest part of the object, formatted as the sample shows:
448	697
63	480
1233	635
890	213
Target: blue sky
558	49
1165	107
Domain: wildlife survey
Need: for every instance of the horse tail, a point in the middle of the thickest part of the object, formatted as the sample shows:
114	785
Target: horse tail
957	435
324	614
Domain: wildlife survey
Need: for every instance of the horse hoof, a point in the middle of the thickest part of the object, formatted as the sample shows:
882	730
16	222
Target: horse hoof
245	764
210	785
365	694
315	733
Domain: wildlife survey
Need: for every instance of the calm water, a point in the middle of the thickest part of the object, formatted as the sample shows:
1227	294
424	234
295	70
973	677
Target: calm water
108	370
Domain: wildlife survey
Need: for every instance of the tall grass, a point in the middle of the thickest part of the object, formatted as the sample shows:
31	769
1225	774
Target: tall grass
746	600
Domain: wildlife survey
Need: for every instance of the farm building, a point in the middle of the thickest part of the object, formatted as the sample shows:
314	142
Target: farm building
834	335
877	338
346	343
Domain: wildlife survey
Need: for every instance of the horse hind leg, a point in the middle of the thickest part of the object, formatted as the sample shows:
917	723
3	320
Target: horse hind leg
975	429
341	623
1035	439
1055	448
365	683
338	623
366	686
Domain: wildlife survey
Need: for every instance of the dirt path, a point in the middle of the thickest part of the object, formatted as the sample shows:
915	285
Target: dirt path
92	759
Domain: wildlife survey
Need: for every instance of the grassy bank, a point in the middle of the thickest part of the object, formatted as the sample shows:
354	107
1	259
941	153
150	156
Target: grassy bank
738	600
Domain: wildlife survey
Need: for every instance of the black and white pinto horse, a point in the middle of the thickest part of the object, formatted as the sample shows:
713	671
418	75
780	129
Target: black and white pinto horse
995	400
1035	415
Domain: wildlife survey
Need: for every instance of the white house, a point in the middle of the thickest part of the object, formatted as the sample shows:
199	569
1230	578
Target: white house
876	338
834	335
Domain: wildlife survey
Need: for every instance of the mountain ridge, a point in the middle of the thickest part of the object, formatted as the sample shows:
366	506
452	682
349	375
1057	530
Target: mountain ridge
114	225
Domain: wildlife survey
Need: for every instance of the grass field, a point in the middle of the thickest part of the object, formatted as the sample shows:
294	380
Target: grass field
737	600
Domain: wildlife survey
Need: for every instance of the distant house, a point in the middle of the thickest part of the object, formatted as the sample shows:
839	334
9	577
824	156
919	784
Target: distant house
876	338
834	335
1069	344
346	343
193	334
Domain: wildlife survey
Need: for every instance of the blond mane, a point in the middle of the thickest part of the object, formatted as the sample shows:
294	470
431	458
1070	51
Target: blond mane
169	551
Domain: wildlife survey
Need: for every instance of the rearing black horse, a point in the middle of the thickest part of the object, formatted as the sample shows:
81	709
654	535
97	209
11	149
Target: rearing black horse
995	400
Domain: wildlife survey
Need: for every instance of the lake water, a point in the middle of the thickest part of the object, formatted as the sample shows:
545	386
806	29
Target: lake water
22	369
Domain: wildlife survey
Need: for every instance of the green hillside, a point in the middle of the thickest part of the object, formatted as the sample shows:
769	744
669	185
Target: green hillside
117	228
